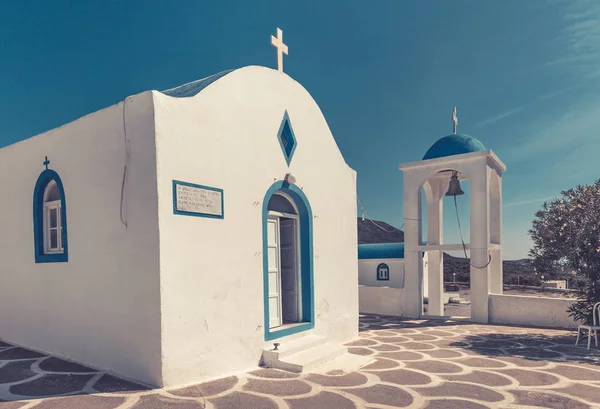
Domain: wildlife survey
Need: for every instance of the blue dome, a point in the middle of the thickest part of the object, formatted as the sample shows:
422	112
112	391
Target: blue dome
454	144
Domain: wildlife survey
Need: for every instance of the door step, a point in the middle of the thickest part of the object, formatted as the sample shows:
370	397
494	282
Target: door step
288	348
345	363
303	355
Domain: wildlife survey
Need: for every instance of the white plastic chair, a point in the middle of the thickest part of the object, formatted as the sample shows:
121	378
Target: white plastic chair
594	328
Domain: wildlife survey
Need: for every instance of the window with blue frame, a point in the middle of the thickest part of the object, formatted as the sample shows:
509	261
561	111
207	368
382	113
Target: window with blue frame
50	219
383	272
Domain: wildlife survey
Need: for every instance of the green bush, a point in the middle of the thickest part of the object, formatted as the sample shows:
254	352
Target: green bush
566	237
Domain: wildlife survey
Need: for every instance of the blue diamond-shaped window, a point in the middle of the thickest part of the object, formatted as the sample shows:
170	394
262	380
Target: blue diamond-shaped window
286	137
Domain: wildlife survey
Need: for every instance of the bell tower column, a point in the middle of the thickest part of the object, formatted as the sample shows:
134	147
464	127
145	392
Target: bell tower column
496	274
434	192
413	263
480	242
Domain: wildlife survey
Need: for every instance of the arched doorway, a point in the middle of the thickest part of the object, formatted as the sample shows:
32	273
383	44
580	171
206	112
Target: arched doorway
287	261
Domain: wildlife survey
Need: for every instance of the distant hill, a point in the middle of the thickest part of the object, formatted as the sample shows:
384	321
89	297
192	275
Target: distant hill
369	232
510	269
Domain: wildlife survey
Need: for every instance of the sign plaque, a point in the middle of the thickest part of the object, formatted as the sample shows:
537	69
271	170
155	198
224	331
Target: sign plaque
196	200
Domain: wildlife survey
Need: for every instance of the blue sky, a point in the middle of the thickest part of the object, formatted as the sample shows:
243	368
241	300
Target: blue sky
523	74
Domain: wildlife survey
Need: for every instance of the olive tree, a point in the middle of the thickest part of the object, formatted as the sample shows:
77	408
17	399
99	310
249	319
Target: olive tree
566	237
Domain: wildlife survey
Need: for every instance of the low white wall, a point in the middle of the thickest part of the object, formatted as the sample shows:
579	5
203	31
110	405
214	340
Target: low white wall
380	300
367	272
535	311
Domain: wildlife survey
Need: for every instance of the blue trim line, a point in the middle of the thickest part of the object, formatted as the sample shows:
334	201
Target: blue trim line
372	251
388	269
274	334
286	129
46	177
380	250
184	213
306	260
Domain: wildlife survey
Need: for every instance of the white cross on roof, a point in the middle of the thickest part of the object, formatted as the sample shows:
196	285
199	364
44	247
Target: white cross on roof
454	120
277	42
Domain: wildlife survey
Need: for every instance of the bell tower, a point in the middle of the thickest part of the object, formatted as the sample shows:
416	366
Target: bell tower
449	161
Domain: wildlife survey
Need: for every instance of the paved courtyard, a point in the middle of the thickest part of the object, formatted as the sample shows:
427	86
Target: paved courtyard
418	364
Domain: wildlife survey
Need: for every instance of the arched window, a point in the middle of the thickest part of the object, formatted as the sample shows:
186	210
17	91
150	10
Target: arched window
50	219
383	272
280	203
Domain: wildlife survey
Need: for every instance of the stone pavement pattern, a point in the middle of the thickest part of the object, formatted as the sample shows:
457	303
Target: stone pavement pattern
417	364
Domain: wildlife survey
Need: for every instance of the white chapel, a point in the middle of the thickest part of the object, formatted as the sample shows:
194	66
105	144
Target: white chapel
176	236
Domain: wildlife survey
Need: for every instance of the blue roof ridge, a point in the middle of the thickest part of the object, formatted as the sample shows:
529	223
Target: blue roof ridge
193	88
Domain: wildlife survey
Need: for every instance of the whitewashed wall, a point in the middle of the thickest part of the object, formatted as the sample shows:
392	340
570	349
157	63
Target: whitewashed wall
381	300
211	269
534	311
367	273
102	307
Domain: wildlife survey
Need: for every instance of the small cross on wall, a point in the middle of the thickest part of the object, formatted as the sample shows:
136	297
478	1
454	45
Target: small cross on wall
46	162
277	42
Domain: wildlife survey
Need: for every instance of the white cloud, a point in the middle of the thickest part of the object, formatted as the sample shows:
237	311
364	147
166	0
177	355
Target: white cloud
557	131
575	119
499	117
511	112
539	200
578	44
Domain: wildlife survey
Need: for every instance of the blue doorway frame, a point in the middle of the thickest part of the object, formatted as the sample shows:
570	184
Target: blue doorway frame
306	260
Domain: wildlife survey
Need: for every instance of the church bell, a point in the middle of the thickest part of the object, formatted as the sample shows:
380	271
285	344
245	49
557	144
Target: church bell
454	186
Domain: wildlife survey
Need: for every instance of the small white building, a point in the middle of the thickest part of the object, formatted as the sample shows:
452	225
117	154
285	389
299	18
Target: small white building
381	265
174	236
381	278
559	284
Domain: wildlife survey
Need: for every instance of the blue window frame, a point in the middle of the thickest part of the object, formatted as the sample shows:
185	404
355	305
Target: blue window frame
383	272
50	219
306	261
